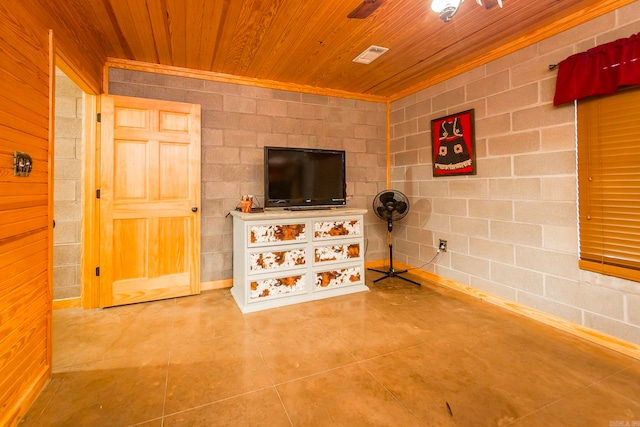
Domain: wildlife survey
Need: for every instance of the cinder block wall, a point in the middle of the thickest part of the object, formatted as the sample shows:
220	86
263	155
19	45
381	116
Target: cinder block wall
238	121
67	188
512	228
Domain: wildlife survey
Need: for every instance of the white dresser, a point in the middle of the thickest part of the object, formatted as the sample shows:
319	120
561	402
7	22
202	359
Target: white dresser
283	257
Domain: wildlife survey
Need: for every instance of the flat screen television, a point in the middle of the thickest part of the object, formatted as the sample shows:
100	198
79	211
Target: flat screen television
304	178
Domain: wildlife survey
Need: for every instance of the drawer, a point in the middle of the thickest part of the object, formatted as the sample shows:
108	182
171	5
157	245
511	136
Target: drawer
263	289
331	229
273	260
270	234
337	252
338	277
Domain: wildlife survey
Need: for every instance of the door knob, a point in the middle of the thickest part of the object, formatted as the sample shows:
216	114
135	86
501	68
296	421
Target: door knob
194	209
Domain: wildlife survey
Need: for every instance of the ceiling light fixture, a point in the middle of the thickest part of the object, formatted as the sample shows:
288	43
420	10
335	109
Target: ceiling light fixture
447	8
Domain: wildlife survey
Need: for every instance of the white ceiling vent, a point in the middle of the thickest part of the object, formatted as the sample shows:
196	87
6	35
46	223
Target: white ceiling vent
370	54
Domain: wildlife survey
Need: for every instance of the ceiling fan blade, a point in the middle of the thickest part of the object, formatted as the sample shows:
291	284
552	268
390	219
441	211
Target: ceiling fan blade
364	9
386	197
488	4
401	207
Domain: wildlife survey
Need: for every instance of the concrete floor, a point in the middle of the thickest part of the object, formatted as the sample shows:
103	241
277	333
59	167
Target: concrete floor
399	355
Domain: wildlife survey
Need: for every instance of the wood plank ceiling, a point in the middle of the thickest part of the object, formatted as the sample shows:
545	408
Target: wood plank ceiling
313	43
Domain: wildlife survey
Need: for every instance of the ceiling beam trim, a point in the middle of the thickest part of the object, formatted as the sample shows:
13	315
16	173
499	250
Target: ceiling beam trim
245	81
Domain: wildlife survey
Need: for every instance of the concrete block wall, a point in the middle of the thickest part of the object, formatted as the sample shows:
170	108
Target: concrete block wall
238	121
67	188
512	228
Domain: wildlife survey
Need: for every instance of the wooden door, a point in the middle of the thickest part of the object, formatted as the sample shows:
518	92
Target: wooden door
149	200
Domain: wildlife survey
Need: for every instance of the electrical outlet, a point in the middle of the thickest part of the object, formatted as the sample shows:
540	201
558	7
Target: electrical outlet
442	245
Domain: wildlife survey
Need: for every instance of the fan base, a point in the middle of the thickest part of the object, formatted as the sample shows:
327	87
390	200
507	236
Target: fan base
393	273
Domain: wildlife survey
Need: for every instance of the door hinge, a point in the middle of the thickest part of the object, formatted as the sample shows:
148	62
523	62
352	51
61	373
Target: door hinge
98	271
97	194
99	117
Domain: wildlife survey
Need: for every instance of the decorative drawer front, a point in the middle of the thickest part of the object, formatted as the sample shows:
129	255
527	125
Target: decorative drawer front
338	277
336	253
265	288
260	262
337	228
277	233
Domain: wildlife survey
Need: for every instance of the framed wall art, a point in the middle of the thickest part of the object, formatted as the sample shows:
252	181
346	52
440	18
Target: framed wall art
453	144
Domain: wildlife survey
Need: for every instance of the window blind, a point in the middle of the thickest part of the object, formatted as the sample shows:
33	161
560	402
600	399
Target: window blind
609	183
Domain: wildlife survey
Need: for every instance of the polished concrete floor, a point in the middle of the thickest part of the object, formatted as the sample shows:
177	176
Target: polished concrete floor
399	355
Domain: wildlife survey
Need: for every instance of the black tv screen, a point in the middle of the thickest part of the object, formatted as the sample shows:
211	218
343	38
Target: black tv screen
304	177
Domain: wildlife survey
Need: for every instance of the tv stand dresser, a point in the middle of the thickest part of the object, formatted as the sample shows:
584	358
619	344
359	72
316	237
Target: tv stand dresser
285	257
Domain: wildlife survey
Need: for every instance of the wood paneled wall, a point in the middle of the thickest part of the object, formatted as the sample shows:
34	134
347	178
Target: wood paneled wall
26	63
25	296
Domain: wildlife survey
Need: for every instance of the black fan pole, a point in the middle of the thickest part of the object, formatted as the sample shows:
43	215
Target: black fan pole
392	272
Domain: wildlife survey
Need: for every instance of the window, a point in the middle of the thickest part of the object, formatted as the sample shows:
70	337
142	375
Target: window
609	183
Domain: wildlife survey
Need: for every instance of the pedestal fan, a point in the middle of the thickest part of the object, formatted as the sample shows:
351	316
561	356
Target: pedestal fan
391	205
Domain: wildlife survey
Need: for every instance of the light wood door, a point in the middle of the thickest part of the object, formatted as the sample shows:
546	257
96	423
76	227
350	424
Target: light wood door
149	200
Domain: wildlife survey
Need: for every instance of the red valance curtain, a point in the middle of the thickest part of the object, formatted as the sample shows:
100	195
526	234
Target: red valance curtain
599	71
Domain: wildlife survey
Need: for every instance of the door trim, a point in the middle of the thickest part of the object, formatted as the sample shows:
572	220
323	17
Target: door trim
89	243
90	295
